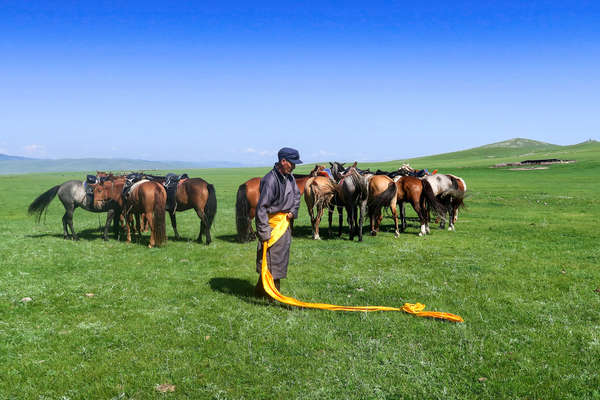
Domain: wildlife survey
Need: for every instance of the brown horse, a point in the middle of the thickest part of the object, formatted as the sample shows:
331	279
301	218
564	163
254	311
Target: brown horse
382	192
419	194
200	195
247	199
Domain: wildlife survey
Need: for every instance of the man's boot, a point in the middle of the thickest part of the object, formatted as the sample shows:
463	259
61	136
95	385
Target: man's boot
259	290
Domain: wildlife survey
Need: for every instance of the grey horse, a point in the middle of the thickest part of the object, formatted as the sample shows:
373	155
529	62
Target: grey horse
73	194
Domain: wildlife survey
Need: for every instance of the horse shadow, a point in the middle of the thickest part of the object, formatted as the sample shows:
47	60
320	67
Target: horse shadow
228	238
86	234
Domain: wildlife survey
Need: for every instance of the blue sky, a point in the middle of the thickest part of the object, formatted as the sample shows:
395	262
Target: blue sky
343	80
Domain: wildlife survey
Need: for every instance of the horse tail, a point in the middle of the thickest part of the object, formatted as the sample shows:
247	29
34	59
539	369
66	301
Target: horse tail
361	183
432	202
383	199
310	188
454	196
242	214
210	209
158	214
40	204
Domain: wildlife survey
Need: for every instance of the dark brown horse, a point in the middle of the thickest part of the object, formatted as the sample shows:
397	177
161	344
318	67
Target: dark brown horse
200	195
419	194
247	199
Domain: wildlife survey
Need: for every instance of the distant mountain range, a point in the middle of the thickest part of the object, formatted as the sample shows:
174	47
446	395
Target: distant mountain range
23	165
517	147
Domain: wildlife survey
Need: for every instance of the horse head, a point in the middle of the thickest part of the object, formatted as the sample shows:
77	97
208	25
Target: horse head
316	170
108	190
337	170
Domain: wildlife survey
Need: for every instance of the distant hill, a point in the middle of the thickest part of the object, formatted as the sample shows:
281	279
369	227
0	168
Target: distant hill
512	150
22	165
4	157
517	149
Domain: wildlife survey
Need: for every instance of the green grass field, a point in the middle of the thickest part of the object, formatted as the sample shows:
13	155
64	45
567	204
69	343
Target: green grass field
522	269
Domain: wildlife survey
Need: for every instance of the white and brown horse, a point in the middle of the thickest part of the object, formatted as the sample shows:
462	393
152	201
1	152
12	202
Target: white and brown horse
450	191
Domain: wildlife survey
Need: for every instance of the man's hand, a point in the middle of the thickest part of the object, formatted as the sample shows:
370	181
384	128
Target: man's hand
290	216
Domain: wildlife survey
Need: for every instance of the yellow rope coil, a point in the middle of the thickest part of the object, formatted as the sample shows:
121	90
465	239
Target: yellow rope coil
279	224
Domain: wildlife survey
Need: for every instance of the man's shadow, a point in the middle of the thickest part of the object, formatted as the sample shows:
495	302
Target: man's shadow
239	288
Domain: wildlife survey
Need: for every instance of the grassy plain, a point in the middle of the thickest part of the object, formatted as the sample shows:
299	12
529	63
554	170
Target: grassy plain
521	269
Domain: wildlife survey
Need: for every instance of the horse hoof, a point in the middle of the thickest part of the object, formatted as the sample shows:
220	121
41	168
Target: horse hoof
373	233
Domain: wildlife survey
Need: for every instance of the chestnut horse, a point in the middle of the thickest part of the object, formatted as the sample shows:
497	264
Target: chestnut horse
247	199
382	192
145	198
420	195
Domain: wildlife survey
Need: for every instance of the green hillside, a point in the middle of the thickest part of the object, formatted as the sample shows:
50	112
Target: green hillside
512	150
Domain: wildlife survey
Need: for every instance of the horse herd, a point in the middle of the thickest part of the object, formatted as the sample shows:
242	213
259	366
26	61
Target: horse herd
362	193
138	202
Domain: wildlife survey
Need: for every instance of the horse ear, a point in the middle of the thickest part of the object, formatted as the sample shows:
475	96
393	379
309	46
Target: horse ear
330	163
354	165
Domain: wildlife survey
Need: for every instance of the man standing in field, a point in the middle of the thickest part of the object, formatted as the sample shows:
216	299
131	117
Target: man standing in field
278	194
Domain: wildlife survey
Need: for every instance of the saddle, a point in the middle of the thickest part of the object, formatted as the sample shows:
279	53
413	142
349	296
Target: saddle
170	183
130	180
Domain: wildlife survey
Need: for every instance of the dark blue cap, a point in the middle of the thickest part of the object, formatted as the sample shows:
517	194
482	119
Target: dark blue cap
289	154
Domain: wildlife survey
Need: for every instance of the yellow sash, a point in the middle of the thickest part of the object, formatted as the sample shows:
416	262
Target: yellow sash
279	224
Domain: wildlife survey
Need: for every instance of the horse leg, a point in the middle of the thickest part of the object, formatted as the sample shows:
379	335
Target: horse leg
110	215
128	227
150	225
174	224
206	230
451	217
341	219
311	214
395	215
330	219
318	220
350	211
363	212
200	214
68	221
403	216
65	226
373	222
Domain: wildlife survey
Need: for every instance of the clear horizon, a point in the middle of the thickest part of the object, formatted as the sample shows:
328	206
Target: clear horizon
232	82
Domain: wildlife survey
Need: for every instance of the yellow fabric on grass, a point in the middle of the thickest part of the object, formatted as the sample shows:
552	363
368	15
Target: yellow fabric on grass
279	224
